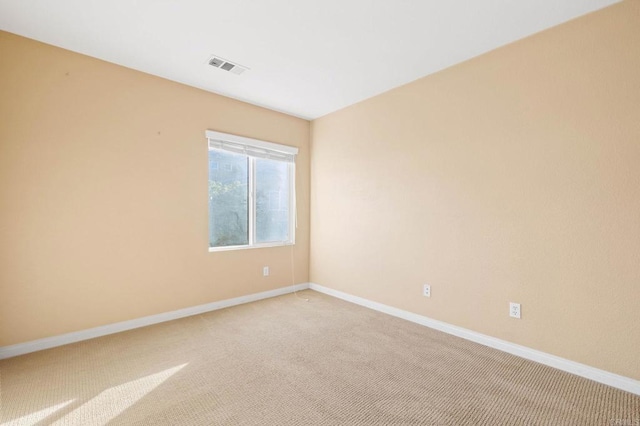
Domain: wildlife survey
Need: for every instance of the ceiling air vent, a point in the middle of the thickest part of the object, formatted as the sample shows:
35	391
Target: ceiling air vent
218	62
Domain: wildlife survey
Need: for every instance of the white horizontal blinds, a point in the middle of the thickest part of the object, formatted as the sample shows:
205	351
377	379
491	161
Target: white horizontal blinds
251	151
251	147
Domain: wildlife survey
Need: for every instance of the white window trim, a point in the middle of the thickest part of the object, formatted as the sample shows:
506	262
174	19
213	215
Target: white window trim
291	167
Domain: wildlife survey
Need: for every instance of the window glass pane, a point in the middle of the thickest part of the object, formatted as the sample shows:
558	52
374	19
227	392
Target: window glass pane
228	195
272	201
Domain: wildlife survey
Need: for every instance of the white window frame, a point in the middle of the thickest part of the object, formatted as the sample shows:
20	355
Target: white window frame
254	148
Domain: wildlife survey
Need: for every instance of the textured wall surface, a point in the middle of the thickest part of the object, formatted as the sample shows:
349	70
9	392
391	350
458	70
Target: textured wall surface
514	176
103	187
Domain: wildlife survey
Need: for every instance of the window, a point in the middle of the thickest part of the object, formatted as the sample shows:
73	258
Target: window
251	192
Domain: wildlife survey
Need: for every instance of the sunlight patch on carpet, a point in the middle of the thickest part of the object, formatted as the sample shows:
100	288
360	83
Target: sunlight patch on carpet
33	418
113	401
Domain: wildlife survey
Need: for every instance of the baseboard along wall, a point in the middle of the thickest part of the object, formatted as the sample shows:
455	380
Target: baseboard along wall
77	336
582	370
621	382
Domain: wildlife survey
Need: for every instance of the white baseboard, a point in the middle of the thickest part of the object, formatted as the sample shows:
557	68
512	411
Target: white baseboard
64	339
601	376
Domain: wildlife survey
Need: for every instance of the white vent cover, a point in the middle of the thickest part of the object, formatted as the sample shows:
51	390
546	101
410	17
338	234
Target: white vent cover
223	64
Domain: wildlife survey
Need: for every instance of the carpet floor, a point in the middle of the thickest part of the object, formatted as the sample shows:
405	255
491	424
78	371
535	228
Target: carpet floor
286	361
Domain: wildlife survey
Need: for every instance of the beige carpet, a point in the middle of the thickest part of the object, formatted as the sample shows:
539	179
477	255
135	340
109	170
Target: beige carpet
284	361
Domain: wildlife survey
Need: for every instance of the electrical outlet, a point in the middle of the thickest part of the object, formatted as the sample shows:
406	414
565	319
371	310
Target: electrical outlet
514	310
265	271
426	290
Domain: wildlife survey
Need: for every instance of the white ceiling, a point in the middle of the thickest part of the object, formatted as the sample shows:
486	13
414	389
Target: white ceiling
306	58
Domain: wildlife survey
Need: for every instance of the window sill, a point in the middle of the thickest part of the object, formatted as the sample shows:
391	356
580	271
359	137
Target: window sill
255	246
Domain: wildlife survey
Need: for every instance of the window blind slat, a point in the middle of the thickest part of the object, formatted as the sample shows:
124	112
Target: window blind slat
251	147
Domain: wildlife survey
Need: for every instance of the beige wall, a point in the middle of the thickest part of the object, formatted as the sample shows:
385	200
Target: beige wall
103	192
514	176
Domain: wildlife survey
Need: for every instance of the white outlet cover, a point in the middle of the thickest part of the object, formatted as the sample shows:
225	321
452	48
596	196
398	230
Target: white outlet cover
514	310
426	290
265	271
